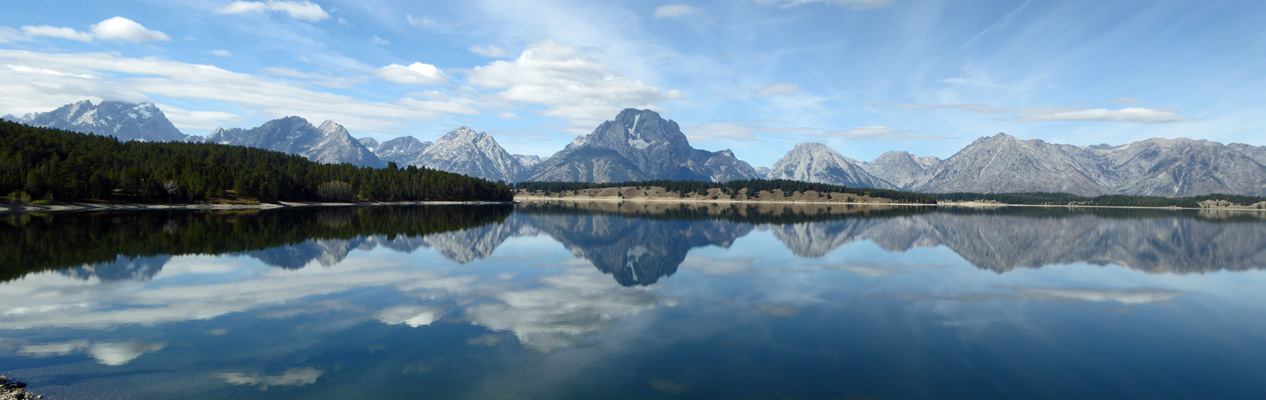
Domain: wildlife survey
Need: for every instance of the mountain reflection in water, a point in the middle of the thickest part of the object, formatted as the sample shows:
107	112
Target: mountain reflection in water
639	243
635	300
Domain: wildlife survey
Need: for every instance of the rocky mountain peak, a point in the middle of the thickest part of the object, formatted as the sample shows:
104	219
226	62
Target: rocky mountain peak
816	162
126	121
332	128
463	134
638	145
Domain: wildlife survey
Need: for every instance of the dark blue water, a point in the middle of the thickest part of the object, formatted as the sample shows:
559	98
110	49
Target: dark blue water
640	301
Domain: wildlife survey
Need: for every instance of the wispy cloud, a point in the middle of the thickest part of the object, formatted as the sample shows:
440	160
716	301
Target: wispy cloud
738	130
421	22
674	11
876	133
301	10
488	51
1137	115
780	89
855	4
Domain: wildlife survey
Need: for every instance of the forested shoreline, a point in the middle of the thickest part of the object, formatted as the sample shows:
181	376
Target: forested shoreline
48	165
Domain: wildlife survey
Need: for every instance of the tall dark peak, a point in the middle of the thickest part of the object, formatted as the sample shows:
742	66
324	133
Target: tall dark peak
639	145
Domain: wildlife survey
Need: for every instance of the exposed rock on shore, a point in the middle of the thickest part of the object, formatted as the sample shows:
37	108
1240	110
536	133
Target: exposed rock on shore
13	390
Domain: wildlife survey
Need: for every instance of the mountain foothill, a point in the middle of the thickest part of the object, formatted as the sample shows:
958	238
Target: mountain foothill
639	145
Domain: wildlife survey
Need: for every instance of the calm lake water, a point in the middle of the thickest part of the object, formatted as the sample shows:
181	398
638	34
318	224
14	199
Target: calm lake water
602	300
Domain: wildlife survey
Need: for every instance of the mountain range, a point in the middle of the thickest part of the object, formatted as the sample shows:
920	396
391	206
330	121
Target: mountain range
641	145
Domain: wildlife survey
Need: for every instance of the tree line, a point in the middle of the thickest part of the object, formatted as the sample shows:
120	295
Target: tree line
753	186
55	165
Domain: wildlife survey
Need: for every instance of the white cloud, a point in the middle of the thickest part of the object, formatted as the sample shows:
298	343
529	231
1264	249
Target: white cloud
855	4
117	28
221	53
876	133
414	74
674	11
567	82
57	32
302	10
37	81
379	41
123	29
780	89
1137	115
421	22
488	51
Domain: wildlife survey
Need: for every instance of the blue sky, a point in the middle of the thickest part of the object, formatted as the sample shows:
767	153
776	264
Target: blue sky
755	76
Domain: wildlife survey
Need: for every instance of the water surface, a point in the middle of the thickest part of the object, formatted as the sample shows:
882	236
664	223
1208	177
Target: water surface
636	300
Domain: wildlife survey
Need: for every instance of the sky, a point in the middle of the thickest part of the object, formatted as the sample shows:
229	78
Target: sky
754	76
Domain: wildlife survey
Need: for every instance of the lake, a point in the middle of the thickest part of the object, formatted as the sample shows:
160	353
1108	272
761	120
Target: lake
636	300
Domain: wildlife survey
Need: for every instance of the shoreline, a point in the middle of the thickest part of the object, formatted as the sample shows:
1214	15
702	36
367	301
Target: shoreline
947	204
77	207
82	207
651	200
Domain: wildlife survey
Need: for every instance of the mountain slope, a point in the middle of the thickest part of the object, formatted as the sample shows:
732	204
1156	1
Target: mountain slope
815	162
